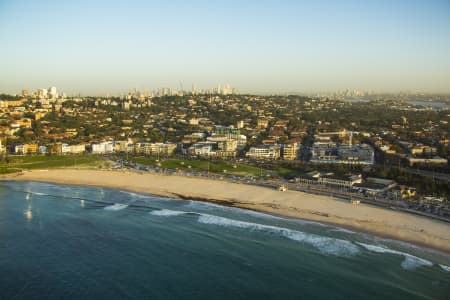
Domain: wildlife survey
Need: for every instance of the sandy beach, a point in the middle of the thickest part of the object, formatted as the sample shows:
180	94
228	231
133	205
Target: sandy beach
382	222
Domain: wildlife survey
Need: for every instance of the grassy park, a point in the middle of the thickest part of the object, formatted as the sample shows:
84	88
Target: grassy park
13	164
201	165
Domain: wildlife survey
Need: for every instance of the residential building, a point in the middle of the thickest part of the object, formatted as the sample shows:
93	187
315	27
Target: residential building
360	154
65	149
26	149
102	148
77	149
290	151
263	152
193	121
123	146
262	123
165	149
203	149
427	161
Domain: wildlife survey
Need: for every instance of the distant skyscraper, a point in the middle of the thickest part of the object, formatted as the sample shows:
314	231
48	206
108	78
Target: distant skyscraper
126	105
42	93
25	93
227	90
52	92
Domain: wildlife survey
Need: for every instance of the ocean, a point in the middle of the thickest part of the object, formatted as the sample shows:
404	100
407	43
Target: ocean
72	242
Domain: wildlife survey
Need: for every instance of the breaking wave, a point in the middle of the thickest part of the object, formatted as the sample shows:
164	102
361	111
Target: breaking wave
39	194
445	268
135	195
192	204
343	230
116	206
168	212
409	263
326	245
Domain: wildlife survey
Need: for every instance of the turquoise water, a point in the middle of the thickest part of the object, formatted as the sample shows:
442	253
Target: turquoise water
65	242
429	104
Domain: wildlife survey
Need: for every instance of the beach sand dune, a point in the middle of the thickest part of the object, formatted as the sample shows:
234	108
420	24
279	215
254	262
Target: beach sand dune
378	221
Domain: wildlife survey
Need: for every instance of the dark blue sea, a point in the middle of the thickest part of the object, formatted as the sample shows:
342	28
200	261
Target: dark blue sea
69	242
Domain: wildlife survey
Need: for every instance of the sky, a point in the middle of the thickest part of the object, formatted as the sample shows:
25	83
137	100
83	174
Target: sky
97	47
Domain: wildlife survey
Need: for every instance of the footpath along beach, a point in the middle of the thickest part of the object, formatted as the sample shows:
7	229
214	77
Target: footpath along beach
383	222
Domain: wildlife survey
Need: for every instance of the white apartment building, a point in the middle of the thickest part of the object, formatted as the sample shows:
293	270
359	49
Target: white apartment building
103	148
264	152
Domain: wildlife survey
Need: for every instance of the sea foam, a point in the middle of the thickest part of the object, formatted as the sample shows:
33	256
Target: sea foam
409	263
39	194
168	212
343	230
326	245
135	195
192	204
116	206
445	268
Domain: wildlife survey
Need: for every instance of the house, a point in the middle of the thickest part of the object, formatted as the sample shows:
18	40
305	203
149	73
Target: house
262	123
193	121
24	122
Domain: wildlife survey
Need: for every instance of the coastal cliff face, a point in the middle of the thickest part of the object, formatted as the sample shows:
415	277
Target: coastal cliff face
382	222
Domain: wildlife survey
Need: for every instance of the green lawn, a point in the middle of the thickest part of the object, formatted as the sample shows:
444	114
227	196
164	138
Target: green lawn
201	165
288	172
62	161
43	162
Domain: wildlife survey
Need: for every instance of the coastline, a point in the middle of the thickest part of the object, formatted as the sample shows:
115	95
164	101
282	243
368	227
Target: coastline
293	204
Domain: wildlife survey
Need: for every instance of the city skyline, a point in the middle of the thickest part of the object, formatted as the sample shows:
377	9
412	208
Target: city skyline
53	92
95	48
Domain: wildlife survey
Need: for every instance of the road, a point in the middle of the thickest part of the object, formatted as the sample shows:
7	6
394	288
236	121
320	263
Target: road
436	175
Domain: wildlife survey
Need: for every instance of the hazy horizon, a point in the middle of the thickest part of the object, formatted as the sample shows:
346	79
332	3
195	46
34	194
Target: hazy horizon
260	47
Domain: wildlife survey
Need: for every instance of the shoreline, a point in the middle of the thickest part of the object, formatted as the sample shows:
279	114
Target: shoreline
377	221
